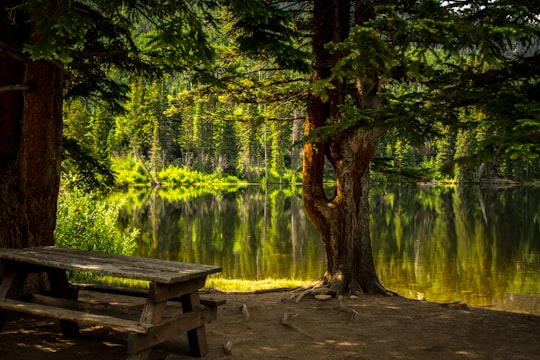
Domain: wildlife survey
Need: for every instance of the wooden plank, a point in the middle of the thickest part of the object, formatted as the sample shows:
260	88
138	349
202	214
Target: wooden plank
152	311
157	270
196	336
142	293
11	282
111	289
170	328
60	288
151	315
69	304
72	315
164	292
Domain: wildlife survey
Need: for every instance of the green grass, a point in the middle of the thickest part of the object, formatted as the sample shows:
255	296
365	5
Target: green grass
216	282
241	285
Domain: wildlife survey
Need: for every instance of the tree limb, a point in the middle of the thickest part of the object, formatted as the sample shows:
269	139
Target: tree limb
16	87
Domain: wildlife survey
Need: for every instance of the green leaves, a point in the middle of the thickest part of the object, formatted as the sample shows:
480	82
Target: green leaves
99	42
85	223
364	54
267	31
55	27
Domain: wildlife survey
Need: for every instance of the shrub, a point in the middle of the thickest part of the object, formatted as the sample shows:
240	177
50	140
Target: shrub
85	223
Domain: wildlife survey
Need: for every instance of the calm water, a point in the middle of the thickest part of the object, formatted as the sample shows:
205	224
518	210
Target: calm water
479	246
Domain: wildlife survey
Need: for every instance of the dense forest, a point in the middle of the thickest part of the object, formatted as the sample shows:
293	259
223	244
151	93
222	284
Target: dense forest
163	124
243	117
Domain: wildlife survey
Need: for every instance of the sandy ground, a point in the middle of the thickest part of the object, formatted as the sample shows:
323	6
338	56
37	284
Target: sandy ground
369	327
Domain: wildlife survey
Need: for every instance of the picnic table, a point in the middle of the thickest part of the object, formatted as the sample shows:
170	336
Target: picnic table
168	280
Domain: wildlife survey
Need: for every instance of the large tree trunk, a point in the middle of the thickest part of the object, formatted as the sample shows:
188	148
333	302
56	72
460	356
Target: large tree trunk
342	220
30	143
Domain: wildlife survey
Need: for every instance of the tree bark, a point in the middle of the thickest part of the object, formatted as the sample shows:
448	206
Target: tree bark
30	146
342	220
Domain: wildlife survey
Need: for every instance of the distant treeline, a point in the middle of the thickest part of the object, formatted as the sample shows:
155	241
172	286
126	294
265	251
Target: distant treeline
162	125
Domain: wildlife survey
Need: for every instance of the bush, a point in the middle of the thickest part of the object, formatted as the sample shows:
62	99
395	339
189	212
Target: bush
85	223
128	172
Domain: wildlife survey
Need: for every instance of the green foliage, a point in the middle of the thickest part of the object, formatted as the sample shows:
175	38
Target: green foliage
129	172
268	31
57	31
100	42
87	223
239	70
434	62
85	157
174	176
81	169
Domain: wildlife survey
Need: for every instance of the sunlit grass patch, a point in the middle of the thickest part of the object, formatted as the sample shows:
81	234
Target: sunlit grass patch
244	285
216	282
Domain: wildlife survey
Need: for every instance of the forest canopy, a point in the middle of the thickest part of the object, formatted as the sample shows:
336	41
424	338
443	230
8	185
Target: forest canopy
464	116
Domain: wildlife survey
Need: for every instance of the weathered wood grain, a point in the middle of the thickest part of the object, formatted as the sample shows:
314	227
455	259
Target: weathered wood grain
168	280
162	271
142	293
72	315
170	328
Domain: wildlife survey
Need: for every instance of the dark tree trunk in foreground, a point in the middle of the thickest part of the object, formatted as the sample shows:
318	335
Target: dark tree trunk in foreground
30	140
343	220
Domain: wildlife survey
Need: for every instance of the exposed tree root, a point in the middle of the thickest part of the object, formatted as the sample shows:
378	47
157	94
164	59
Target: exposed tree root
355	314
245	311
286	322
227	347
392	293
338	287
316	291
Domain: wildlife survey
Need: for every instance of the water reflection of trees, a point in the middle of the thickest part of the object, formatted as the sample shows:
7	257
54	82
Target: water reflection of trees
480	246
251	233
457	243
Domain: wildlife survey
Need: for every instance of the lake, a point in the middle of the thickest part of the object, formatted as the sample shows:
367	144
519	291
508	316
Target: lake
476	245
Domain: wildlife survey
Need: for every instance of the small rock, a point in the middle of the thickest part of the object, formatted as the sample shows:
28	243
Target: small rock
323	297
354	297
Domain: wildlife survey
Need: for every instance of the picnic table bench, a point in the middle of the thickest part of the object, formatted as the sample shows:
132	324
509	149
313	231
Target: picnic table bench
168	280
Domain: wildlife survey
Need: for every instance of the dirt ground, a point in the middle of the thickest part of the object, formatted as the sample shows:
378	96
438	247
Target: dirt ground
275	326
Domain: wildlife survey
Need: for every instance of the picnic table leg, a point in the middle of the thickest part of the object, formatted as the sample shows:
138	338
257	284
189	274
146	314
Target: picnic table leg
197	337
152	313
61	289
11	282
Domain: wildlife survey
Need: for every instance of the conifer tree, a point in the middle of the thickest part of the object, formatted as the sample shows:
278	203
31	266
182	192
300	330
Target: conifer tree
49	49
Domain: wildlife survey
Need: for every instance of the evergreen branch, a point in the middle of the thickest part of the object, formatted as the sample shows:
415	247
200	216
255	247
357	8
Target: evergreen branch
102	54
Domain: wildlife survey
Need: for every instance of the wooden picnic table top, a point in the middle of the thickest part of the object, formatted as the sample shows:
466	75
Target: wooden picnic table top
156	270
